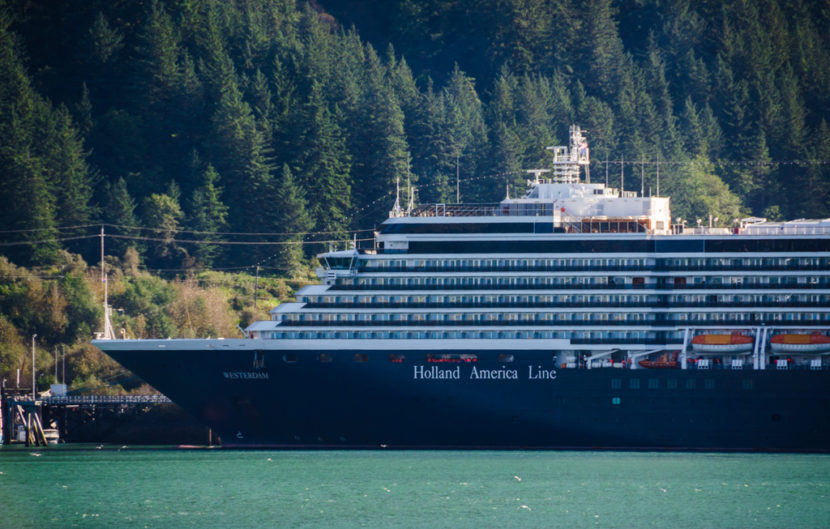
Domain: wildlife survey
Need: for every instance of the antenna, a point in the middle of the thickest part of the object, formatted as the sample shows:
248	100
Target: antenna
622	175
396	209
658	174
537	173
457	186
397	192
606	171
411	205
642	178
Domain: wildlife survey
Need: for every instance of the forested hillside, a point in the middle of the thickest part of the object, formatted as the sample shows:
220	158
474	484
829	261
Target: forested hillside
172	121
236	134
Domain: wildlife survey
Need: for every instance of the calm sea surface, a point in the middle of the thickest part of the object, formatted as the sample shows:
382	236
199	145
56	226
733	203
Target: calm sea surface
67	487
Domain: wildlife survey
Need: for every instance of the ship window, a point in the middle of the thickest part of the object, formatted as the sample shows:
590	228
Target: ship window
691	383
289	358
615	401
396	358
616	383
634	383
709	383
361	358
746	384
324	358
671	383
505	357
653	383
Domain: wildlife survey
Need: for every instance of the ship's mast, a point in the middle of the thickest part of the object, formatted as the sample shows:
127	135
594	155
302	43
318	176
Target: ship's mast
396	209
567	160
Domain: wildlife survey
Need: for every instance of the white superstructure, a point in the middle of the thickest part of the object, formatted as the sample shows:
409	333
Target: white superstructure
575	268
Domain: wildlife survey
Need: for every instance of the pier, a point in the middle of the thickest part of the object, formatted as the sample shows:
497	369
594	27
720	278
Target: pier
125	419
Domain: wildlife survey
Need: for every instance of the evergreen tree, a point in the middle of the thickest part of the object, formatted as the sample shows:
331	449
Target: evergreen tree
597	118
507	160
240	153
67	171
602	59
325	167
293	220
663	129
692	130
534	101
430	149
162	215
119	213
383	142
26	199
83	112
466	133
208	216
158	54
506	149
698	193
105	41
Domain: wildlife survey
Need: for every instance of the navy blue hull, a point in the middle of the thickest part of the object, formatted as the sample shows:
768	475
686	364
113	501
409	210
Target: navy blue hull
342	403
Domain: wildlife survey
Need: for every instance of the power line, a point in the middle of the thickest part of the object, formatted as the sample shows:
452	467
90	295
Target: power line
229	243
45	241
197	232
248	234
32	276
58	228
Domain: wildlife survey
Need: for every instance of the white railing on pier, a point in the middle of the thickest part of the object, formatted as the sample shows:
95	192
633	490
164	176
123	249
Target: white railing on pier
107	399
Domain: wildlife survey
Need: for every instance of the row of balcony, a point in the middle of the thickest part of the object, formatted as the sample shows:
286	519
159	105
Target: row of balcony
604	286
561	304
753	319
601	268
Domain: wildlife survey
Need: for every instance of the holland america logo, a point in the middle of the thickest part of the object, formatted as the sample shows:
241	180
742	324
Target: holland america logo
258	374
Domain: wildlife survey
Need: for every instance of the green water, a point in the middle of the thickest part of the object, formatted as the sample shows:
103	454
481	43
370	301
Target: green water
64	488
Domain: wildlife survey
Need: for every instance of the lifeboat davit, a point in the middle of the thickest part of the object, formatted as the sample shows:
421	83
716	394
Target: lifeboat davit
800	343
722	343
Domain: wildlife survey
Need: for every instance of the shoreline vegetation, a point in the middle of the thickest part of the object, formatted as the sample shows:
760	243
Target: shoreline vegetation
63	306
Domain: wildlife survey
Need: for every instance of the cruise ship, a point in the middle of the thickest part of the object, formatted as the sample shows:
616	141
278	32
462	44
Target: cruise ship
576	316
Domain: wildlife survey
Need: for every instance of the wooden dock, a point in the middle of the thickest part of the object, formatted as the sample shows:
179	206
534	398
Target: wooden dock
79	416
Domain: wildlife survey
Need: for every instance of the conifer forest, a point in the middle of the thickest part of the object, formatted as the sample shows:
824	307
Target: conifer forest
239	138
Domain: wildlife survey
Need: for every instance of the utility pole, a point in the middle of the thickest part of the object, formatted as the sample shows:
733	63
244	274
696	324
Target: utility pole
109	334
256	286
34	396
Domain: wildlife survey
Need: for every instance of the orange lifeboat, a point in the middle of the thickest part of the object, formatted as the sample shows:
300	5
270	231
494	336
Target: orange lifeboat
800	343
722	343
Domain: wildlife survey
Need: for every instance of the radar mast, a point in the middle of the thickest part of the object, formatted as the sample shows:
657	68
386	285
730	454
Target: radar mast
568	159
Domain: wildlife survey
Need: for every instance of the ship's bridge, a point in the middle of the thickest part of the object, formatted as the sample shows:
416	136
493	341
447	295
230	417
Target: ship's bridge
337	264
